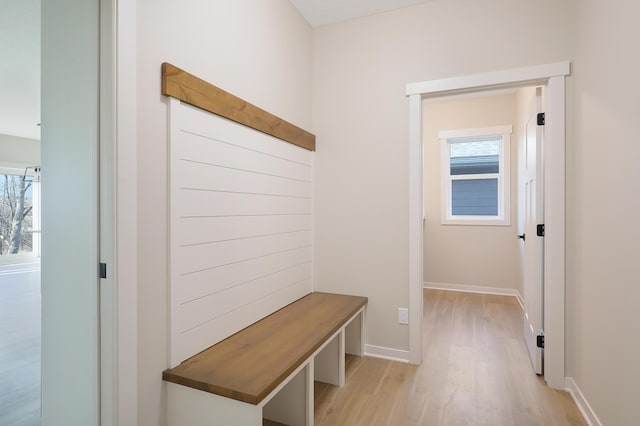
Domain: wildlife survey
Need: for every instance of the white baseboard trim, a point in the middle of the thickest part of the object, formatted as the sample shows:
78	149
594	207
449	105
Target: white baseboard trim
520	299
477	289
587	412
386	353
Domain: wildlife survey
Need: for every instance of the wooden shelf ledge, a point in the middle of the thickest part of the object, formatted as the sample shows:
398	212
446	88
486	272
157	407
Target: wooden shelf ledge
190	89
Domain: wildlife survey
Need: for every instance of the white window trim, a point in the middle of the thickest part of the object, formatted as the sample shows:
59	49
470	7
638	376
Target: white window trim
504	177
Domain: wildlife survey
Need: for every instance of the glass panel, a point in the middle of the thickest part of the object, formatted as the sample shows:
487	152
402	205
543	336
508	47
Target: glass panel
474	197
16	214
475	157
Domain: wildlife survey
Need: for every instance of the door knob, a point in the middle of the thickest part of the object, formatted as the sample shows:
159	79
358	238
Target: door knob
521	237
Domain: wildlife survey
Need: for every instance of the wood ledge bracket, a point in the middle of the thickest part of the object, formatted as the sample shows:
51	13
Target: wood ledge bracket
194	91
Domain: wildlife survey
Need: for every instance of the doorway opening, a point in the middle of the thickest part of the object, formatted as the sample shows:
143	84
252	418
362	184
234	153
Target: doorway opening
20	300
552	77
477	151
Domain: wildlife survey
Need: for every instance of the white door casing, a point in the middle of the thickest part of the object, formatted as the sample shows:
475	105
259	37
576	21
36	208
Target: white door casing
118	213
533	209
553	77
89	134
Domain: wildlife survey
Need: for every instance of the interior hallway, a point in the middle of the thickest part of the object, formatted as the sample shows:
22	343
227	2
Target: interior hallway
476	371
20	344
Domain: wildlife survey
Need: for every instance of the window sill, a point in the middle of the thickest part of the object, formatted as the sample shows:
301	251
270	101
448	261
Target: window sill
476	221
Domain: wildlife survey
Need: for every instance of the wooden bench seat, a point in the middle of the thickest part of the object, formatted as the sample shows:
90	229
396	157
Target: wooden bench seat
253	363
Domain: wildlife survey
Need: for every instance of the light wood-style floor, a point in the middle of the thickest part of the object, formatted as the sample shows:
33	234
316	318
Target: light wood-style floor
20	345
476	371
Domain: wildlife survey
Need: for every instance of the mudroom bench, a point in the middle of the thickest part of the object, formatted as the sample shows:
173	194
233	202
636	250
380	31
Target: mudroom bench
265	372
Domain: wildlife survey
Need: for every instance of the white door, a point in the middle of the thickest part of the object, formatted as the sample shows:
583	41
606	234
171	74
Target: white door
533	244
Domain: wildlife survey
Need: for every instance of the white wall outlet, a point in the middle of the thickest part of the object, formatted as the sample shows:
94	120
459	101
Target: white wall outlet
403	316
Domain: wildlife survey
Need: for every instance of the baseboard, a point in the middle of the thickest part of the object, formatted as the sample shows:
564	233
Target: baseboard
520	299
386	353
583	405
477	289
19	259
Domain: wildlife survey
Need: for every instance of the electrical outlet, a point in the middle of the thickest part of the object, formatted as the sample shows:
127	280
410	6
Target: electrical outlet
403	316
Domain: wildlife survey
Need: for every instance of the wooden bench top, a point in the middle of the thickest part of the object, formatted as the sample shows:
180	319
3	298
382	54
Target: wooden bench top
250	364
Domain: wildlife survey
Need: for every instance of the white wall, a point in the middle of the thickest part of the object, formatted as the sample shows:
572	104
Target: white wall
603	209
19	152
486	256
361	118
257	50
360	115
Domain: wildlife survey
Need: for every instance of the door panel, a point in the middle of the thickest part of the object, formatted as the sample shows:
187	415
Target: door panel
533	245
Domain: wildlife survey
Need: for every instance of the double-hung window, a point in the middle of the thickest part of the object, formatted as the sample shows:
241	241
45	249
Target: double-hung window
476	176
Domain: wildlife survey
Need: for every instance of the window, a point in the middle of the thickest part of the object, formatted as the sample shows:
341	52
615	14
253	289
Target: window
19	212
476	176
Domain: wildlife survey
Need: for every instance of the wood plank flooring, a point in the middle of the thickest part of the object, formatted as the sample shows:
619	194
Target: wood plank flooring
20	345
476	371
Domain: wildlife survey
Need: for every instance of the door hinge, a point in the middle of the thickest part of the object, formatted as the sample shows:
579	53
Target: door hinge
540	119
103	270
540	230
540	341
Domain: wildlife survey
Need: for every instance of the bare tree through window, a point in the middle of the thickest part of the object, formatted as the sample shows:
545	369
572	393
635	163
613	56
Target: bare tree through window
16	214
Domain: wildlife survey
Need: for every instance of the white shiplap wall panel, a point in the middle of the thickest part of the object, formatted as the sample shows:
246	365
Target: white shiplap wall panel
200	257
195	230
241	227
225	154
217	279
205	177
234	134
209	204
194	313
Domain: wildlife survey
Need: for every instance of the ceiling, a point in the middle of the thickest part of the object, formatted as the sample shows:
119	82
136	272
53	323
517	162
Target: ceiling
323	12
20	68
20	41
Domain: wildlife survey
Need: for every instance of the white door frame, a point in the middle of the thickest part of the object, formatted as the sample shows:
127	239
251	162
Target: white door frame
113	394
118	213
553	77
